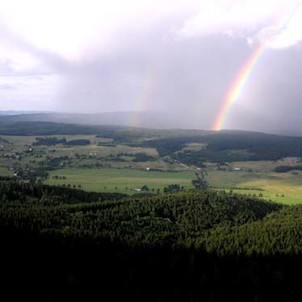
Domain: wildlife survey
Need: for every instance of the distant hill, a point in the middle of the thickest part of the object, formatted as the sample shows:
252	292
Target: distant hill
155	120
13	125
17	112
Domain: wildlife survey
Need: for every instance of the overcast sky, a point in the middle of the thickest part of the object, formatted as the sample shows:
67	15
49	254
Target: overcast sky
179	56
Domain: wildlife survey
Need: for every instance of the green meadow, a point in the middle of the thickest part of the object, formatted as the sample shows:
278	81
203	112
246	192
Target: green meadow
118	180
279	187
5	172
284	188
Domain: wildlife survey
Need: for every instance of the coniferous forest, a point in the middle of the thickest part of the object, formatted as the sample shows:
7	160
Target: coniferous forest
63	244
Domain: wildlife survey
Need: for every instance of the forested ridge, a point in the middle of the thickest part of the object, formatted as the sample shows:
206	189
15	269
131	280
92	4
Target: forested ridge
62	244
219	147
228	146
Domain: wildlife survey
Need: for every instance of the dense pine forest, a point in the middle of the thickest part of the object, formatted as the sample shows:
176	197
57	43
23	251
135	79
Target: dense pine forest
63	244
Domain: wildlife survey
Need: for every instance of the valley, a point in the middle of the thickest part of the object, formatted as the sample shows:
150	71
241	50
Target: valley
188	212
121	159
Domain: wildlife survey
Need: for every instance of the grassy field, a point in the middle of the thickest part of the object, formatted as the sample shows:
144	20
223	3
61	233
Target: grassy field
279	187
19	140
284	188
119	180
5	172
265	166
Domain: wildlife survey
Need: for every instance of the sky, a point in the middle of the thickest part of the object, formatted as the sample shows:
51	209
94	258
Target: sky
180	57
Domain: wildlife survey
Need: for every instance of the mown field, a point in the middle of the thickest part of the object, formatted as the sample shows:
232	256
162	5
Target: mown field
284	188
279	187
5	172
119	180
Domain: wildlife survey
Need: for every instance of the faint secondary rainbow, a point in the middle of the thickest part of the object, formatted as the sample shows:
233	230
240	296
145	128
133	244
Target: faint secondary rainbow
143	99
146	91
237	86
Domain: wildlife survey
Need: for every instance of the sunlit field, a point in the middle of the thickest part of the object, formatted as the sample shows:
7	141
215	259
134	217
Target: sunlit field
279	187
119	180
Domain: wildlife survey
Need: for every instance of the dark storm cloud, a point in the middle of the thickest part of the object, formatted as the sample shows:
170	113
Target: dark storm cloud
273	94
190	76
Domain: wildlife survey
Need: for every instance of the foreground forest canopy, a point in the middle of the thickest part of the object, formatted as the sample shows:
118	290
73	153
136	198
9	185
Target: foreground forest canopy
63	243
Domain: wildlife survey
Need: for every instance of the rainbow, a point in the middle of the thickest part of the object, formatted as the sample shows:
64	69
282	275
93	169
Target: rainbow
237	86
244	73
145	93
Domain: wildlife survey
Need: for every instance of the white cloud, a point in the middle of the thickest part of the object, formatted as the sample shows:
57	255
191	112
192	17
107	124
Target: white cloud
13	61
76	28
279	23
25	92
79	30
291	33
